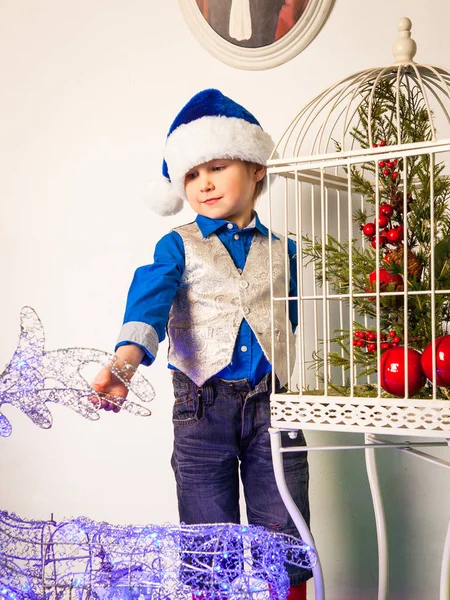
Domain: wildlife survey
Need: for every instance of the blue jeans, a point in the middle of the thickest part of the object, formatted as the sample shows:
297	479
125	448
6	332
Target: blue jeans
220	429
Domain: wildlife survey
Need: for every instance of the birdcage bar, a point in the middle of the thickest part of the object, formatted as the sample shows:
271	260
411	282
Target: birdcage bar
287	278
272	298
315	305
433	280
324	277
341	159
300	342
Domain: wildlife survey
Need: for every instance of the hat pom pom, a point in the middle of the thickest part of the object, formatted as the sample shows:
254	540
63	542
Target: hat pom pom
161	197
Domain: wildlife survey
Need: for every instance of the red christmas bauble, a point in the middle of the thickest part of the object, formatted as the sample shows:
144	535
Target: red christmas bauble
386	209
380	241
369	229
394	236
392	376
442	361
383	221
385	278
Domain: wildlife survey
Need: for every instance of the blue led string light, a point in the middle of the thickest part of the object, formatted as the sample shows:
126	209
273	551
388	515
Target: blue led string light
83	559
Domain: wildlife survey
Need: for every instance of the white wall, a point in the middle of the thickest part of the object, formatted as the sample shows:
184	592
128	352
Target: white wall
88	91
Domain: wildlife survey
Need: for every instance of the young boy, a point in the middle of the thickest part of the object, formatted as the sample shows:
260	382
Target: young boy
209	286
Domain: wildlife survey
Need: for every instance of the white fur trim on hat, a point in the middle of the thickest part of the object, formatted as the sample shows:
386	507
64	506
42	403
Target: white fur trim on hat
208	138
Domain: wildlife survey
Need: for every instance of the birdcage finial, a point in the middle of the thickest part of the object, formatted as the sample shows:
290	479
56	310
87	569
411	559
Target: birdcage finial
404	47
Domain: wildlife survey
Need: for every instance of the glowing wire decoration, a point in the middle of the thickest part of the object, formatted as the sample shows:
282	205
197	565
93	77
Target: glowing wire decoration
83	559
34	377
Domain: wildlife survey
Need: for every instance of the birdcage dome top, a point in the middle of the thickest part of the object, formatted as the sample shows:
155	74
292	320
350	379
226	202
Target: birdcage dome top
365	108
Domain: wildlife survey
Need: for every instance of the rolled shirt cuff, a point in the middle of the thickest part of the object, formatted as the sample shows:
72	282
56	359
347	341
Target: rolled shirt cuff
142	334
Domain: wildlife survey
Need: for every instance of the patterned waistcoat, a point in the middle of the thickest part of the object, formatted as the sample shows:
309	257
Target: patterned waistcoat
214	298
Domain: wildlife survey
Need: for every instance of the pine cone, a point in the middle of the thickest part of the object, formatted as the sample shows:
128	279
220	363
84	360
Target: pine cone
415	267
397	201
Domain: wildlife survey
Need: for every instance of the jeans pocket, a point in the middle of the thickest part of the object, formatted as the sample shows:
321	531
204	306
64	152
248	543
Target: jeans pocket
188	408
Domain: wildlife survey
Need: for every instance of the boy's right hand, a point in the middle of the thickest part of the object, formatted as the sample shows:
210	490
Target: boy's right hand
107	383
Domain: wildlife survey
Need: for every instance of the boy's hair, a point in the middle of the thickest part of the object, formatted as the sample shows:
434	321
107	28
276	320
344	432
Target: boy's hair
260	184
259	188
209	126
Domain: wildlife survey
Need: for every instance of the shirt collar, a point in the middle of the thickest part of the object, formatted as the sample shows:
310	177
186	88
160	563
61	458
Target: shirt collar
208	226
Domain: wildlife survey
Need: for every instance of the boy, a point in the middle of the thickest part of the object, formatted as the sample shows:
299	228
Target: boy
209	285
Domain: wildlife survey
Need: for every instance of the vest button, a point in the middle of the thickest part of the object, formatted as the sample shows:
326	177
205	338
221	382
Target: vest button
245	310
244	348
239	271
243	284
230	226
236	236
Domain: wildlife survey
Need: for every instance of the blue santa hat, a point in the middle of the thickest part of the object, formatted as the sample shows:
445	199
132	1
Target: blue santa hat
209	126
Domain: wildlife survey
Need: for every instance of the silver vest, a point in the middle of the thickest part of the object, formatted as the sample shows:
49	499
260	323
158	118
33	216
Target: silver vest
214	298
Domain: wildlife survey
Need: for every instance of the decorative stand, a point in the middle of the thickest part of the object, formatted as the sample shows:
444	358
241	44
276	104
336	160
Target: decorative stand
362	175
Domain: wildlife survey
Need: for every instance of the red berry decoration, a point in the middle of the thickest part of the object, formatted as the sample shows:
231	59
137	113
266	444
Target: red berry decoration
386	209
369	229
386	171
379	242
394	236
385	278
394	175
374	145
381	164
383	221
392	377
442	361
383	143
372	348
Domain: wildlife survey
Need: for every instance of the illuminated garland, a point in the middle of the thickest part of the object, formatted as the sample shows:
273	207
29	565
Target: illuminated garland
35	377
83	559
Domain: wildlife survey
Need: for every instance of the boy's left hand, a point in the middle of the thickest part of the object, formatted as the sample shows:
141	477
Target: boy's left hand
112	391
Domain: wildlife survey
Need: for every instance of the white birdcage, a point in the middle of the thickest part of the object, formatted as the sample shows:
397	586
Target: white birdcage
369	141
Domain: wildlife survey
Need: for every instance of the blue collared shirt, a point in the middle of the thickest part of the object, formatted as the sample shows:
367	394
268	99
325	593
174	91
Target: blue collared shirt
154	287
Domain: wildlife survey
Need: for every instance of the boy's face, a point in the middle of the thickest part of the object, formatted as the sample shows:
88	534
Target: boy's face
223	189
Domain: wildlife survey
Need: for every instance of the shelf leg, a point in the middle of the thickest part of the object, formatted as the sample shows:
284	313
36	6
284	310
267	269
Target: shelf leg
275	441
380	520
445	570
